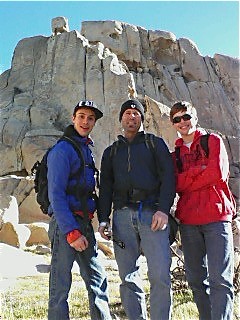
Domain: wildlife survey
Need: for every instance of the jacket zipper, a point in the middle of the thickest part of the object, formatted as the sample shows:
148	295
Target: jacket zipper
129	165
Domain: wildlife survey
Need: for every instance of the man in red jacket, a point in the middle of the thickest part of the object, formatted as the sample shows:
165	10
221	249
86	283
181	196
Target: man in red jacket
205	209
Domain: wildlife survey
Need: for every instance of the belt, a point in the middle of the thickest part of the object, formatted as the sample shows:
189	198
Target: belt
81	214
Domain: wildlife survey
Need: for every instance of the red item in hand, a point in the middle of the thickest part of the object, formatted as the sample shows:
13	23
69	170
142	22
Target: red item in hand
73	235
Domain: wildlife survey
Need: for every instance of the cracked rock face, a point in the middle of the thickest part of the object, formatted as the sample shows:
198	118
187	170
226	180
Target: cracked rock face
107	61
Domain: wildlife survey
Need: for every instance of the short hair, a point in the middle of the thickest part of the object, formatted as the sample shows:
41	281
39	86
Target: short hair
182	106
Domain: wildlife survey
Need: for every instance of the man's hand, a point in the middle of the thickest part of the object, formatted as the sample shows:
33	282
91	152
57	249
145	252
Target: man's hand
105	230
80	244
159	221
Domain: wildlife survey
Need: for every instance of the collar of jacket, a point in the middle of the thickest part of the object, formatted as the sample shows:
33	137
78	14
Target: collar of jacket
72	133
198	133
139	136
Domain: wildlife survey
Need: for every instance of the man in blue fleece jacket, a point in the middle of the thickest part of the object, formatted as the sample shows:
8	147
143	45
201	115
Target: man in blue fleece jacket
71	234
141	189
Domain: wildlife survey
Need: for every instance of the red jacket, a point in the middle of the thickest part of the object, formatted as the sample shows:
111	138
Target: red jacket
204	195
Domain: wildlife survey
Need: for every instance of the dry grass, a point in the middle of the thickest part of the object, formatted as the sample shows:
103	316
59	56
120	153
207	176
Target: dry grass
28	298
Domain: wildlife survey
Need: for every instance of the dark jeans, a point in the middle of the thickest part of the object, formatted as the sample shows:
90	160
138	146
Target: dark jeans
63	257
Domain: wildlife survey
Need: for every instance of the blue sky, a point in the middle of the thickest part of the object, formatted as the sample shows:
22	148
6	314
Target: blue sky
212	25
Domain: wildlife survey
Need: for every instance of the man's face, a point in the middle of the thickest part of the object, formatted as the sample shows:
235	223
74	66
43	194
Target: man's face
183	123
131	120
84	121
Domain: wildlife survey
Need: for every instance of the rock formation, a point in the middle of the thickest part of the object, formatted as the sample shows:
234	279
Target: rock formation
107	61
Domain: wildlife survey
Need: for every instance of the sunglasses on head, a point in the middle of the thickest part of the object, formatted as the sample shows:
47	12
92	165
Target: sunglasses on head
185	117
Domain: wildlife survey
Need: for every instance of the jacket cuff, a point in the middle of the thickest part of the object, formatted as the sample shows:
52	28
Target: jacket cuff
164	210
103	219
73	236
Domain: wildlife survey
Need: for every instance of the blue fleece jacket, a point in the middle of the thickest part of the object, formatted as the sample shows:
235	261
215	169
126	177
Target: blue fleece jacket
63	172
